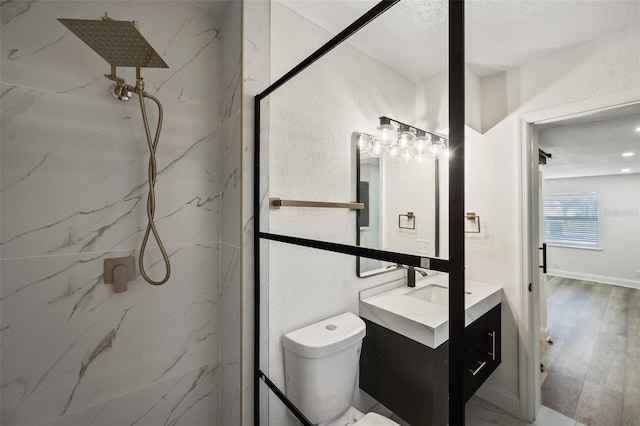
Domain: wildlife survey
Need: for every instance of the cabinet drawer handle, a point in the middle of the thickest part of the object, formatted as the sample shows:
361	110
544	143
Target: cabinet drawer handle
492	354
478	369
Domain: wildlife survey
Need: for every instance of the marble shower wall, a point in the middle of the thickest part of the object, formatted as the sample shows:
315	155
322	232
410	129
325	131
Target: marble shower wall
256	34
73	192
230	402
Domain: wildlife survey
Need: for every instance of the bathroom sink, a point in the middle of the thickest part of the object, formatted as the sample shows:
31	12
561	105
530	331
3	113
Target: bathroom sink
422	313
433	293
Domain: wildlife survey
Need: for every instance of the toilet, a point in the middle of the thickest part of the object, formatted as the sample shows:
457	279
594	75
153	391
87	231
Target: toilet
321	368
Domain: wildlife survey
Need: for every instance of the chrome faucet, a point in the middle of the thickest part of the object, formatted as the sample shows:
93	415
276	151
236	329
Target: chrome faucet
411	273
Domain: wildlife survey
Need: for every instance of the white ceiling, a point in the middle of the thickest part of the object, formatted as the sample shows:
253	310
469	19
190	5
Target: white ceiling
593	145
500	34
411	38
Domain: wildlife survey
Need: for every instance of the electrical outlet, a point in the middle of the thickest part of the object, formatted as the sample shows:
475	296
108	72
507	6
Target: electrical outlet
422	246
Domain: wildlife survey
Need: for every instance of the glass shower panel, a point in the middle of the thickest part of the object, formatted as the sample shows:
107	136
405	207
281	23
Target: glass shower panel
318	133
324	141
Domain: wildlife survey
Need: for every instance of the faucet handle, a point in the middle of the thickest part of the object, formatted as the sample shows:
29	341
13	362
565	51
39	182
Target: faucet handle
118	271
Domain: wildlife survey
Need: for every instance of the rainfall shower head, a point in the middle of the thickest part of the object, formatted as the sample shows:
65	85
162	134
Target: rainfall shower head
117	42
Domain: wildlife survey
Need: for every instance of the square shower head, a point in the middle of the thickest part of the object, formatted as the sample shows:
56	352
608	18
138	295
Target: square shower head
117	42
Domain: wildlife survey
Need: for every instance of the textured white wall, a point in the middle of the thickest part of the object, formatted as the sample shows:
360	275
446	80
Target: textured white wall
619	231
73	193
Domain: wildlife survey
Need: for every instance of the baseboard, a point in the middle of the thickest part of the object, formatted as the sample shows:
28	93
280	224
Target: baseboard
596	278
498	397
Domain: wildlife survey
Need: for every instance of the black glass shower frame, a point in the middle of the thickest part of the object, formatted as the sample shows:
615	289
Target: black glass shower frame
454	265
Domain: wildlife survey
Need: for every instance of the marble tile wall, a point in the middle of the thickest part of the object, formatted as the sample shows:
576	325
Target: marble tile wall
256	77
73	192
231	193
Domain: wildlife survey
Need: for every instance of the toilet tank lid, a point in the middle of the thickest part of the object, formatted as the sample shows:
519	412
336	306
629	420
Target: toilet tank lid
325	337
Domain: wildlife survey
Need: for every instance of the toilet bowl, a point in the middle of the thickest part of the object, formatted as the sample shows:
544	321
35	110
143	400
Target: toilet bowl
321	369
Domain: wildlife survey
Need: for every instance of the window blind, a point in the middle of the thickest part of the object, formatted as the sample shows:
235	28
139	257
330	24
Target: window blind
571	219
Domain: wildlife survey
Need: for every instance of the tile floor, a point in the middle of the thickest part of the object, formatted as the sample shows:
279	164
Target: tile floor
481	413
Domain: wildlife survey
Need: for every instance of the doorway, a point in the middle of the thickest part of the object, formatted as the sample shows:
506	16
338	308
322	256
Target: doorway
589	225
530	375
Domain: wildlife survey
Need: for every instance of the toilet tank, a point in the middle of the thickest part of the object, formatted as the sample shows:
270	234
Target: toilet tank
321	366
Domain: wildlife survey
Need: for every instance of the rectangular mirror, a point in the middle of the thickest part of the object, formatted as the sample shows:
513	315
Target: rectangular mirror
401	193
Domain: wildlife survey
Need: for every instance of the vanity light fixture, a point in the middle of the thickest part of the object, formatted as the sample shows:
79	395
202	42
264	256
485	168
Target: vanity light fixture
628	154
386	132
422	142
395	140
405	137
377	150
438	147
364	143
393	153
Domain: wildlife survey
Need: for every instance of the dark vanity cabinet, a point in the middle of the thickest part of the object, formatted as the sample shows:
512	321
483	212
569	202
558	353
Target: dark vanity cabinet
412	380
483	350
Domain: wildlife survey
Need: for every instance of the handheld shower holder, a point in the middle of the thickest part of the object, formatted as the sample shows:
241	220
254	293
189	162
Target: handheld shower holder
121	90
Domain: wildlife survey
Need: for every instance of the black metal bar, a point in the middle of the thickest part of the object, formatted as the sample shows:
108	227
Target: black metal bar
358	199
544	258
282	397
256	263
358	24
437	209
456	213
441	265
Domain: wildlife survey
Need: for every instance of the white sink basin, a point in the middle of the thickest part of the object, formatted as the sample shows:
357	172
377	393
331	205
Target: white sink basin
433	293
422	313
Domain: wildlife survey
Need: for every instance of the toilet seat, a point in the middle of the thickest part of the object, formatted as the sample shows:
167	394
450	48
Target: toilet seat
373	419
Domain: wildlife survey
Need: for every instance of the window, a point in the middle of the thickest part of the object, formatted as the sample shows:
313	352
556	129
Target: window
571	219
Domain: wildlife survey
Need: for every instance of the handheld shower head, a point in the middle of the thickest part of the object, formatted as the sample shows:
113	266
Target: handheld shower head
117	42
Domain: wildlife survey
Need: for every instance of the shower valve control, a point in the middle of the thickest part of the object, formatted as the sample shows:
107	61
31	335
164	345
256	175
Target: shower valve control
118	271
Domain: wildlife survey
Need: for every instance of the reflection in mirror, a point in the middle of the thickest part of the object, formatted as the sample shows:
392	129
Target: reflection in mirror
368	220
398	180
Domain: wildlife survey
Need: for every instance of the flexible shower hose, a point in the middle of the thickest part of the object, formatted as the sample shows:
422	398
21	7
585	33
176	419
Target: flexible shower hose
151	197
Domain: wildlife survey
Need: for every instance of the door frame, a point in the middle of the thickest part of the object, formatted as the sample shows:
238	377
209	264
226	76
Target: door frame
529	323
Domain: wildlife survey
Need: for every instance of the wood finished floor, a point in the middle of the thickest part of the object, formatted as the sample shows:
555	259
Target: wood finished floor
592	369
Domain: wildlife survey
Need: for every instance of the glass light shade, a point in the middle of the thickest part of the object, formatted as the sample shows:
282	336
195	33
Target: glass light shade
406	156
377	150
393	153
420	158
422	144
387	134
405	137
364	143
437	148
